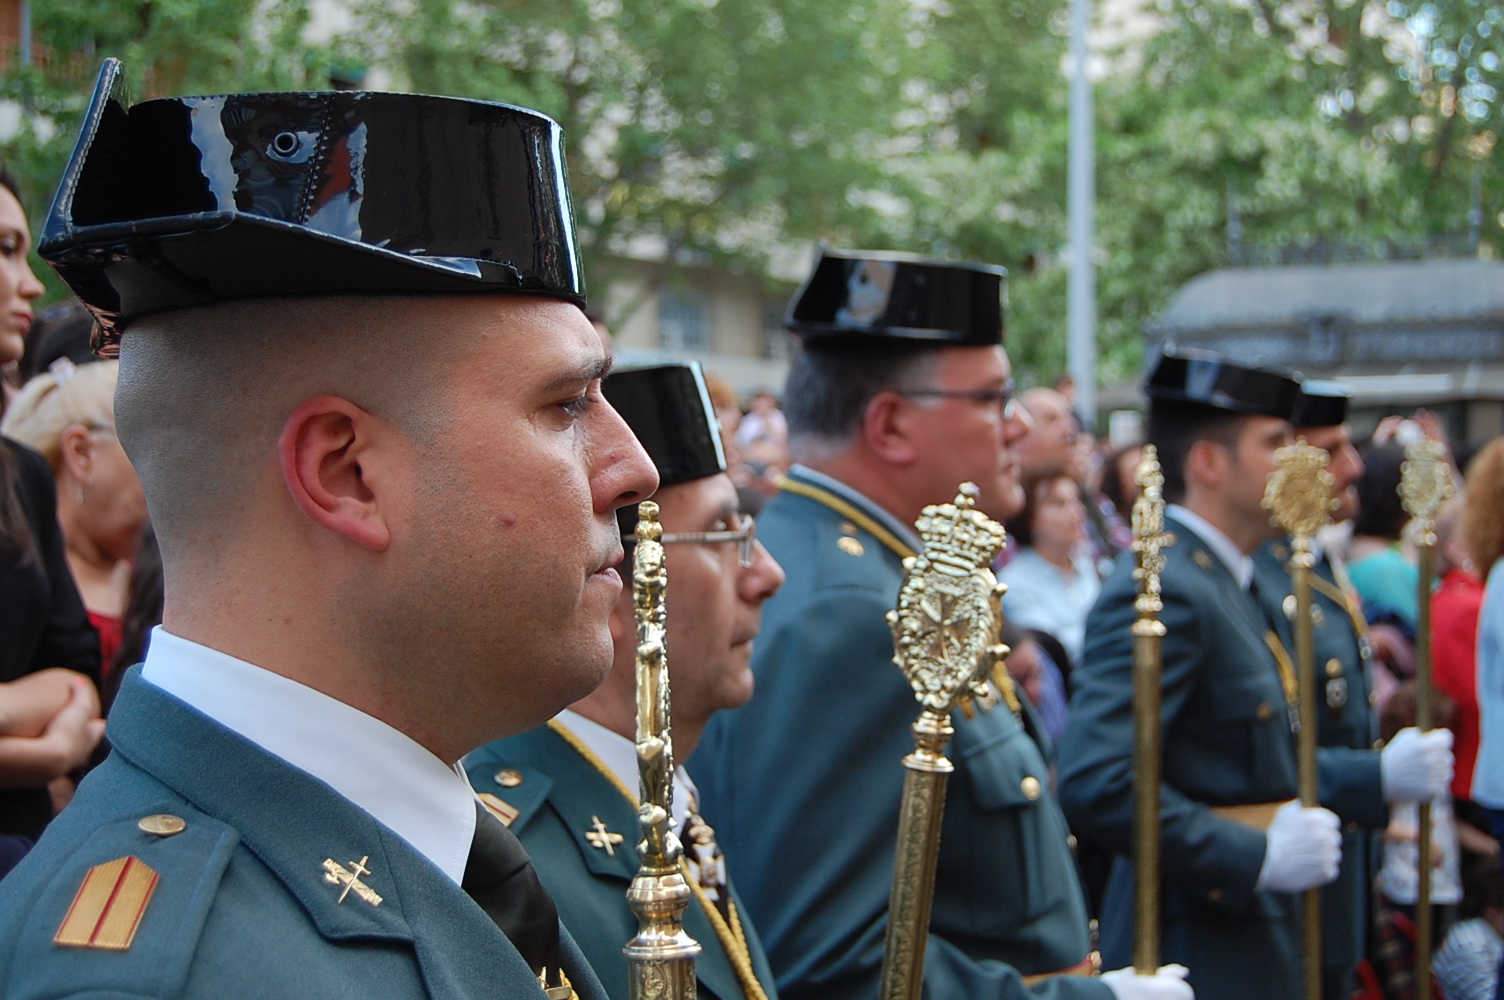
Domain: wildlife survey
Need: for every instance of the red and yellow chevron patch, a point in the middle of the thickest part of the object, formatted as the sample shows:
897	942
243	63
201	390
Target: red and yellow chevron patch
109	906
504	811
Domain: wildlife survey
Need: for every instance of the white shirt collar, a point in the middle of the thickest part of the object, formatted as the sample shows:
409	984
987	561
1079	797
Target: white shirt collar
382	771
904	531
1239	564
620	755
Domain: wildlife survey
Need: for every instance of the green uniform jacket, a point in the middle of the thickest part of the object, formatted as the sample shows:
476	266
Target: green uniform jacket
241	907
803	786
1347	723
1227	740
558	800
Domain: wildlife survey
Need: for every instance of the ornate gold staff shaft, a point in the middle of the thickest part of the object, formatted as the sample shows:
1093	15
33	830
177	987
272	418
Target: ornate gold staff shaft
661	958
945	633
1425	484
1149	541
1300	496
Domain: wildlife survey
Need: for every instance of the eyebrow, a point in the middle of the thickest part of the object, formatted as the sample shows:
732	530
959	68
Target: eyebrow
585	372
729	508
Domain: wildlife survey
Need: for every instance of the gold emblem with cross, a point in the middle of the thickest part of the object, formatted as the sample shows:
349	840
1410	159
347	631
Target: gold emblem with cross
602	838
337	874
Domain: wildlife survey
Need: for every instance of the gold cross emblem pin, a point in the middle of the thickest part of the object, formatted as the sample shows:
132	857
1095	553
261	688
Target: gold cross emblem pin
602	838
337	874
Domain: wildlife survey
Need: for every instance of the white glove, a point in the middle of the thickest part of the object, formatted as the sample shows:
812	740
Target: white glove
1305	848
1168	984
1416	766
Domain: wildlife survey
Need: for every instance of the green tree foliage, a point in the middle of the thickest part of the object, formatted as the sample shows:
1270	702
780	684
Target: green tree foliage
168	46
712	131
727	131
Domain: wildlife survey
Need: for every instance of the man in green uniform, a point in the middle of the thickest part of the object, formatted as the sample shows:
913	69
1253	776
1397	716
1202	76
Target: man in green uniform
1342	662
901	392
569	790
1238	849
364	402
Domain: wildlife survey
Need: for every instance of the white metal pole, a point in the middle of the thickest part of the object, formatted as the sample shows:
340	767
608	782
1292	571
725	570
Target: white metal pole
1081	343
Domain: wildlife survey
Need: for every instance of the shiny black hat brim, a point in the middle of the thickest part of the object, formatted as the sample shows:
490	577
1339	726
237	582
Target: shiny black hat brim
668	408
1320	409
181	202
1211	380
853	297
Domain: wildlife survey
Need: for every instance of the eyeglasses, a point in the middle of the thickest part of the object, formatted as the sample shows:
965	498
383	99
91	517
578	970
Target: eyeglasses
1002	396
744	537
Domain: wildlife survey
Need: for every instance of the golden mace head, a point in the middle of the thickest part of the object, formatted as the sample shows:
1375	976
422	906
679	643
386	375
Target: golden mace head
1149	535
1299	492
946	622
655	744
1425	480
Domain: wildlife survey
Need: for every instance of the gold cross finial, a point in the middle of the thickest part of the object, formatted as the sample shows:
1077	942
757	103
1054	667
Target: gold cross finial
602	838
337	874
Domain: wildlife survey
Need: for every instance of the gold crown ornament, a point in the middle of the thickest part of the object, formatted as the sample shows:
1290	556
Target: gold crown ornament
947	619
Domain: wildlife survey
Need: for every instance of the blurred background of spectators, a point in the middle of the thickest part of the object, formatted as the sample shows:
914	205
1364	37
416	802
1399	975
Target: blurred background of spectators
1052	581
1454	642
1467	964
49	653
68	415
143	612
1381	567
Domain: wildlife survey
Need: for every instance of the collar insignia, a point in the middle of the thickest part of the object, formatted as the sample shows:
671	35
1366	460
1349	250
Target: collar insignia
337	874
602	839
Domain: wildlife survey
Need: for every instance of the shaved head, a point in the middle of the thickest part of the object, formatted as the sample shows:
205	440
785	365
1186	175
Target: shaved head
349	491
203	392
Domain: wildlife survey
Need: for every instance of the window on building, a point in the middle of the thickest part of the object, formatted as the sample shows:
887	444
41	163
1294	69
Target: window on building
684	319
775	339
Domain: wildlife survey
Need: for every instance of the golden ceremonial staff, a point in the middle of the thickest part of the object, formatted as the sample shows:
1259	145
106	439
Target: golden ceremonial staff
1149	541
945	633
1425	484
661	958
1300	496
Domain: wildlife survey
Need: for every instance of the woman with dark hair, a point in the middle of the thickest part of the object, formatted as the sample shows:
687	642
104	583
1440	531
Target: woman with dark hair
1051	584
49	653
1385	576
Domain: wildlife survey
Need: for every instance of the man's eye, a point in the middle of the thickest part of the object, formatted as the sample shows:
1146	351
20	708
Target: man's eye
578	406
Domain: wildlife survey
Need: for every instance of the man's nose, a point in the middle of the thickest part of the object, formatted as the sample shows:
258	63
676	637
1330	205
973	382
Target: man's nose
763	578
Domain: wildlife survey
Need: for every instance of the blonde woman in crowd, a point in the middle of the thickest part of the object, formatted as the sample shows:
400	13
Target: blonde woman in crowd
68	414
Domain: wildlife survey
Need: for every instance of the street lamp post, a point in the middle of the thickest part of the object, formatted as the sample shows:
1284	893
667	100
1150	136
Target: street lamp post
1081	343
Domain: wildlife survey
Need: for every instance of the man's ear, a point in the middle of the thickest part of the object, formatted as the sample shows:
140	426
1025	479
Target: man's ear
1207	463
887	428
320	453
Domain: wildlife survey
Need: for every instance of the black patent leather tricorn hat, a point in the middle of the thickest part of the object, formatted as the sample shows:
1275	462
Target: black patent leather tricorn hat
1191	376
852	296
1323	403
668	407
187	201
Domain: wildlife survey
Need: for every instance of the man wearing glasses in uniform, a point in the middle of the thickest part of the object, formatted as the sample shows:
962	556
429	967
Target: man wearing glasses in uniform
901	392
